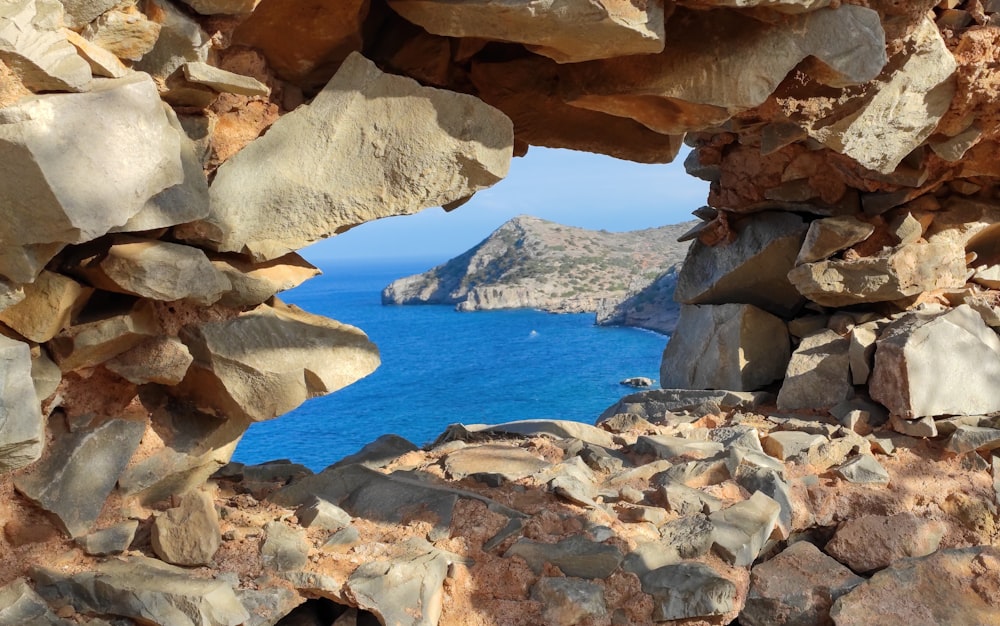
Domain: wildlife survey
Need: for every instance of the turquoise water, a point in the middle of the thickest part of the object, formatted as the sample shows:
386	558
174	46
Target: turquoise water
441	367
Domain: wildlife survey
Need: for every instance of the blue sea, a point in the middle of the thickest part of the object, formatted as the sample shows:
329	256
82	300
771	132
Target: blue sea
440	367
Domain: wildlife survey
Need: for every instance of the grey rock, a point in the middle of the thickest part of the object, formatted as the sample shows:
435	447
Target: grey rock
572	480
796	588
921	427
702	473
21	606
576	556
918	373
786	444
503	461
637	381
282	471
113	540
686	590
180	40
568	601
284	549
863	469
322	514
268	604
752	270
659	405
82	468
688	537
267	210
830	235
79	13
771	483
727	346
342	540
742	529
33	46
560	429
872	542
684	500
818	374
189	533
254	283
145	590
378	453
224	7
862	351
99	340
223	81
22	429
865	411
665	447
162	360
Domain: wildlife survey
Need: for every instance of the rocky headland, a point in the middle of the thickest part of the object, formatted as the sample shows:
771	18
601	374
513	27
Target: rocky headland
534	263
824	449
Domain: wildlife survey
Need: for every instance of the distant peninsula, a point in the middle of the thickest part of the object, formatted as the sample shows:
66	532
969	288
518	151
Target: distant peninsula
624	278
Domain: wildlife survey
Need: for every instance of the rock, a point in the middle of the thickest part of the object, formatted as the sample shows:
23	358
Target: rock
637	381
378	453
66	484
685	500
189	533
787	444
322	514
145	590
742	529
862	351
660	405
463	142
502	461
127	33
935	589
130	146
576	556
922	427
560	429
872	542
907	100
268	604
567	601
268	361
772	484
102	62
45	375
729	346
161	360
703	473
863	469
33	45
156	270
574	481
21	606
688	537
669	93
79	13
686	590
406	589
570	32
665	447
284	549
113	540
910	378
22	429
223	81
223	7
751	270
254	283
181	40
94	342
830	235
798	586
906	270
818	374
969	438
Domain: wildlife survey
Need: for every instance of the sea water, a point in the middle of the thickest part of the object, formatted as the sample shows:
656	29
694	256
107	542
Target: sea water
441	367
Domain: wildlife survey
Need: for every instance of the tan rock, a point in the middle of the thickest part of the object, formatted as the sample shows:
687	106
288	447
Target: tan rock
48	306
830	235
92	343
253	283
189	533
223	81
34	47
162	360
875	541
283	192
79	13
269	360
784	6
127	33
223	7
818	374
568	32
102	62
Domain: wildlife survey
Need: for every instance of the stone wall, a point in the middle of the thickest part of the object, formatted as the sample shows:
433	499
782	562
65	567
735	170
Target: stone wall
161	162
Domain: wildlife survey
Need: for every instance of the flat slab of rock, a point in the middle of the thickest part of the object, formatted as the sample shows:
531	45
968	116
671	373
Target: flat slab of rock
322	514
32	43
687	590
568	601
830	235
261	203
163	360
818	374
688	537
284	549
22	429
20	605
742	529
798	586
189	533
146	590
875	541
94	342
113	540
969	438
506	462
863	469
253	283
928	591
576	556
560	429
658	405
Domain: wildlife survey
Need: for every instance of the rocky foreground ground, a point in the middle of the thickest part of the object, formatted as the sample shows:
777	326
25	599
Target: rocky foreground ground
679	508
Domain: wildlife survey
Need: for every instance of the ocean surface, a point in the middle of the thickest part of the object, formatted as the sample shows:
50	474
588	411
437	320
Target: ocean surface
441	367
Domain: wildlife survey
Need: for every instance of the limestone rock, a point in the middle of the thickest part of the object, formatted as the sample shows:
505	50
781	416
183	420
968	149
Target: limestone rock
454	145
254	283
22	429
130	147
67	482
729	346
935	589
686	590
162	360
559	429
38	52
567	601
45	375
502	461
49	304
918	373
830	235
568	32
863	469
102	62
770	482
874	541
787	444
684	500
784	6
21	606
180	40
268	361
752	270
742	529
818	375
576	556
969	438
907	270
79	13
223	81
378	453
687	537
94	342
670	93
922	427
189	533
862	351
659	405
145	590
799	586
126	32
322	514
284	549
223	7
666	447
157	270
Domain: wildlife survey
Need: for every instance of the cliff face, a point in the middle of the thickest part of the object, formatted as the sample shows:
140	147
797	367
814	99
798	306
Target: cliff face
533	263
162	160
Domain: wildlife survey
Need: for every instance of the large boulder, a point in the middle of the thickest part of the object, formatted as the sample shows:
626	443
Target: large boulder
33	45
731	346
22	430
935	363
818	374
400	148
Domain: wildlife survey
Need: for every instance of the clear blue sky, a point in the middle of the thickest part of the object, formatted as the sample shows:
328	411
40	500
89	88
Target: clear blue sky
573	188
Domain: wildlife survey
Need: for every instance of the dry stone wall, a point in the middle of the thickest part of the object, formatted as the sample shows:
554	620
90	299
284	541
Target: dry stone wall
161	162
